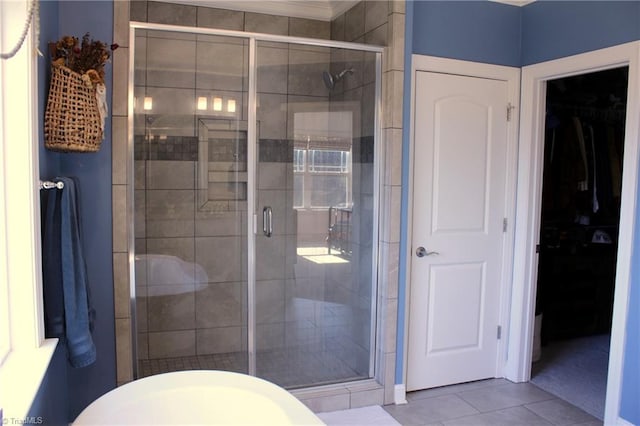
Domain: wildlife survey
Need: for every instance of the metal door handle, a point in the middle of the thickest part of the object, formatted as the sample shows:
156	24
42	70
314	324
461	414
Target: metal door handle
267	221
422	252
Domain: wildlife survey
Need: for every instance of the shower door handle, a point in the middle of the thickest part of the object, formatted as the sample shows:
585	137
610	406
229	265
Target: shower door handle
267	221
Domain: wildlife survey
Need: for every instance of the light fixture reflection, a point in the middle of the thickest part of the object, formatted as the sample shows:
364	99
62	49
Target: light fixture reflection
217	104
231	105
202	103
148	103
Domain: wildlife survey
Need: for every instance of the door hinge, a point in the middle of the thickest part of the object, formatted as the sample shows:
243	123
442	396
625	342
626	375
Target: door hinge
499	332
509	109
504	225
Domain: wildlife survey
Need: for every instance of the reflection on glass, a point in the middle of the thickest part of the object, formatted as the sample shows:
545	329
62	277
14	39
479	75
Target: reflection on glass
148	103
202	103
315	155
190	152
217	104
314	274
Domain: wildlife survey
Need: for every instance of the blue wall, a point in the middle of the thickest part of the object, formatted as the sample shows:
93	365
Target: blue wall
629	407
555	29
73	389
506	35
94	174
478	31
495	33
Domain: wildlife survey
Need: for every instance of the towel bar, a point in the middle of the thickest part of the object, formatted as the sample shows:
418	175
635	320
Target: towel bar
47	184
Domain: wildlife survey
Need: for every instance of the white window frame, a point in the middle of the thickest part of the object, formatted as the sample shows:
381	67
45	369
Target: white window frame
307	173
5	336
27	353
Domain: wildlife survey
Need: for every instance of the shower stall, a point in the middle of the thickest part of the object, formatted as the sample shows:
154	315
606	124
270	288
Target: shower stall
254	162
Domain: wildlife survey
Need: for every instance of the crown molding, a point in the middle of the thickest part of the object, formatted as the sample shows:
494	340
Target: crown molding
323	10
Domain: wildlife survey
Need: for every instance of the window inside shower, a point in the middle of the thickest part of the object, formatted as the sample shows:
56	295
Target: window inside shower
255	199
322	159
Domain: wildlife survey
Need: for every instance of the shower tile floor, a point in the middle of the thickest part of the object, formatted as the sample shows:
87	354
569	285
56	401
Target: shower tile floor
287	368
319	335
319	352
229	362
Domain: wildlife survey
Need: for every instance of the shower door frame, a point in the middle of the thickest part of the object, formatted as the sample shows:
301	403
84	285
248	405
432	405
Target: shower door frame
252	164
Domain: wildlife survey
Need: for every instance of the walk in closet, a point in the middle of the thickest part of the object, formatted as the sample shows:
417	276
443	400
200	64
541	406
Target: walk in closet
584	139
579	229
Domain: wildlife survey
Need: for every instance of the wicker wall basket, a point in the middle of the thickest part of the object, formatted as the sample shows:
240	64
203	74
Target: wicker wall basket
72	120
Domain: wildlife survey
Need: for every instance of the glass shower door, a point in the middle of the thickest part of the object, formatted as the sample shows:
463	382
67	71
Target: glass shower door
190	160
315	214
293	301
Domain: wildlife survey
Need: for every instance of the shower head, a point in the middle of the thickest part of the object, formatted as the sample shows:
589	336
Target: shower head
330	80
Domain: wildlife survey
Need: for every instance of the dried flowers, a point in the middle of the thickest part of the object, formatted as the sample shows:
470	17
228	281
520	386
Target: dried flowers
88	57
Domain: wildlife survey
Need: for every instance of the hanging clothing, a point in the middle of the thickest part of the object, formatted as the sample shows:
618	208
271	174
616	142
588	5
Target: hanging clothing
566	171
595	205
615	162
583	184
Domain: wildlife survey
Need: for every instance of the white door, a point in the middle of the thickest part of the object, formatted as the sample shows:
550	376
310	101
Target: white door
459	206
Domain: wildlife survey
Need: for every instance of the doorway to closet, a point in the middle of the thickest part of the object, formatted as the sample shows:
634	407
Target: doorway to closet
580	215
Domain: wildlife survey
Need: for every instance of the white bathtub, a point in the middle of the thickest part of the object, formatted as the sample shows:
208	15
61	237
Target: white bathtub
198	397
166	270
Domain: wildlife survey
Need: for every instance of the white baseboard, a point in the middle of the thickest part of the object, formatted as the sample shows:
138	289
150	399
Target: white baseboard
399	394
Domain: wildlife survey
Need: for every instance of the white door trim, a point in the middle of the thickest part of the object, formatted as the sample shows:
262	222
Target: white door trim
496	72
529	192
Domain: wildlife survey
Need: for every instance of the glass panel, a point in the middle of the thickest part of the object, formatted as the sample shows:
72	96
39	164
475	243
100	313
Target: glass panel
315	170
190	154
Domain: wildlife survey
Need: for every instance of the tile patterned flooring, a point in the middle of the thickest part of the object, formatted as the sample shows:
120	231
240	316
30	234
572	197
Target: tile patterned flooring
229	362
491	402
288	368
318	348
488	402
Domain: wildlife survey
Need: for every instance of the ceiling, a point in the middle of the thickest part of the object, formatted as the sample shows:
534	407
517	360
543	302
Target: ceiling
323	10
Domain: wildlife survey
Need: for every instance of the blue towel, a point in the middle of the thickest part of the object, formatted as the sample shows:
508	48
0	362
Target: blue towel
67	307
51	265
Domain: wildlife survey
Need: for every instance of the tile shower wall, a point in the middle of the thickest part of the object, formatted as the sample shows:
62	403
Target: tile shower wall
363	23
200	310
197	318
351	287
324	289
366	23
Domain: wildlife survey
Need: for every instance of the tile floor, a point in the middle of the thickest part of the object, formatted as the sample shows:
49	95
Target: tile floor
289	367
236	362
488	402
318	347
